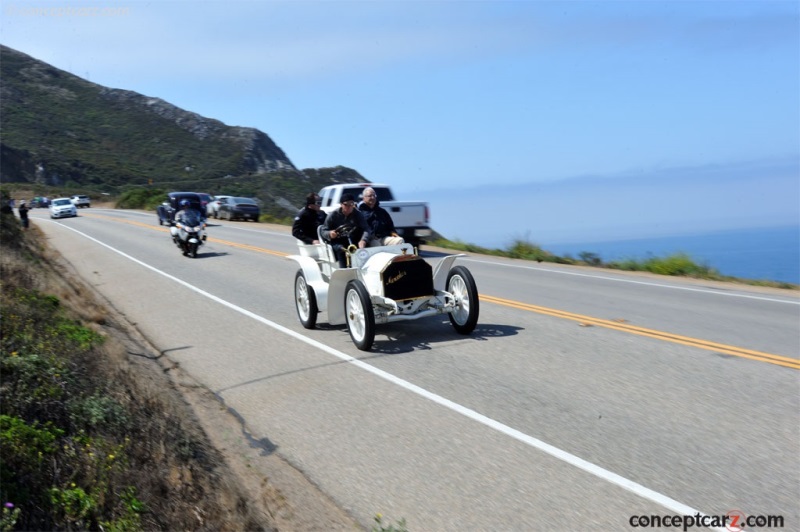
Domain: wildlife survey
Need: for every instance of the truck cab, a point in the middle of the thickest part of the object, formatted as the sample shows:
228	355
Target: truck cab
411	218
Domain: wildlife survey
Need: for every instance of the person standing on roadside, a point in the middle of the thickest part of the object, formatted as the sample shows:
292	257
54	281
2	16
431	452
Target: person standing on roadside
23	214
304	227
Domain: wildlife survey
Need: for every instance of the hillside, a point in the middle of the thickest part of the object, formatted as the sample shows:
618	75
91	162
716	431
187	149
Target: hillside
59	130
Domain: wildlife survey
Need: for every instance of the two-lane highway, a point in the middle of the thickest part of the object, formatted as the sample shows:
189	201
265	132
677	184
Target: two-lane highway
585	398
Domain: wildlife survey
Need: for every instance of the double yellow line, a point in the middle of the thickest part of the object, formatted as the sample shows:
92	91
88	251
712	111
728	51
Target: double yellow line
583	320
166	230
651	333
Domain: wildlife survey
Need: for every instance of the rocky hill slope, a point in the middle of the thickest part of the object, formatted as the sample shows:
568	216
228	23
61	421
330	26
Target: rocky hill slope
60	130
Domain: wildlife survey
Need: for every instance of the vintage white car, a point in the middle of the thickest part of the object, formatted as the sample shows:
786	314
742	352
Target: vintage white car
381	285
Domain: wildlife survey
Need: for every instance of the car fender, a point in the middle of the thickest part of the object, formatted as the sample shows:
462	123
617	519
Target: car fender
339	280
313	278
441	271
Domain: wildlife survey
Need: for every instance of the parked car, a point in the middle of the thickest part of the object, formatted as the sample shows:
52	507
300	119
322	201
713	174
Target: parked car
62	208
166	211
39	201
233	208
212	209
80	201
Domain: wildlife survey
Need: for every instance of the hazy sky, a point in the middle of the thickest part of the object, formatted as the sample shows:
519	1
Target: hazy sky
626	113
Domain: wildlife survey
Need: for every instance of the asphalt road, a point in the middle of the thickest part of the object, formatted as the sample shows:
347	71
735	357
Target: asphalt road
584	399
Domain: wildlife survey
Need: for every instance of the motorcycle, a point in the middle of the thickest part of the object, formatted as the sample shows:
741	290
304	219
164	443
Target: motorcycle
189	233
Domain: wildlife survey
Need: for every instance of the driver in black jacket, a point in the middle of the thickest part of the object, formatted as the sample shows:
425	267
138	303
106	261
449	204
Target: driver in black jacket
345	226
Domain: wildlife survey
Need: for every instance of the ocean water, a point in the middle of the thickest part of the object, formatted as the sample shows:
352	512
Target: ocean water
765	253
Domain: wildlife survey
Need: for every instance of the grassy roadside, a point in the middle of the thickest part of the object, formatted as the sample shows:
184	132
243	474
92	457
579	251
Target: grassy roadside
676	264
90	440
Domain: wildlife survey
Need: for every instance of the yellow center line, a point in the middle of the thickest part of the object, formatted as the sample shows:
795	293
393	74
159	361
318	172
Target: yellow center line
608	324
651	333
209	239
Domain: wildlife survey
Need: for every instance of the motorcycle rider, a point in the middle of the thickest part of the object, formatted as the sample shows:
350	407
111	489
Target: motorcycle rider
186	210
345	226
185	213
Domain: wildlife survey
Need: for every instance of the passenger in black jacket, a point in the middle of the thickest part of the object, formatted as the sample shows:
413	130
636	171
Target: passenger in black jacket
378	220
308	220
352	229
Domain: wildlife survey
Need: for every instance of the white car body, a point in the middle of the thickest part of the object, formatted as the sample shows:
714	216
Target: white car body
383	284
212	208
81	201
62	208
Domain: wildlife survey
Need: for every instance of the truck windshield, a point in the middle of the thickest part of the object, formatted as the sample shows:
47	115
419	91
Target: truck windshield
383	193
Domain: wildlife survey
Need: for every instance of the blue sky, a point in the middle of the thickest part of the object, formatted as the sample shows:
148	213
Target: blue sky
574	119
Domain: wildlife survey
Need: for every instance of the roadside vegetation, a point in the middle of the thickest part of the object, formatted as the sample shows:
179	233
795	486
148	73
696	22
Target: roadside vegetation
86	443
676	264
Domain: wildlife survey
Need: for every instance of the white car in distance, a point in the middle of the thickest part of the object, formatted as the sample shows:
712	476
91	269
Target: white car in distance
81	201
212	208
62	208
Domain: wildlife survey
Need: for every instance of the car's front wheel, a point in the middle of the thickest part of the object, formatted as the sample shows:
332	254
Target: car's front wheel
359	315
461	284
305	301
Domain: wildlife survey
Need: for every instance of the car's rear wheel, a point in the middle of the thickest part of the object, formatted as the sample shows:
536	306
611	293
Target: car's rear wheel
305	301
359	315
461	284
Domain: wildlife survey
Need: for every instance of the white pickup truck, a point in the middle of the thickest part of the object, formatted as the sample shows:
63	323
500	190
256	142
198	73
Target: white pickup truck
410	217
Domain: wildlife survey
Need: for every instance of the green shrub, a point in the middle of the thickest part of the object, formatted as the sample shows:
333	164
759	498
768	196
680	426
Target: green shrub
380	526
25	449
522	249
592	259
72	505
96	411
675	264
82	336
141	198
9	517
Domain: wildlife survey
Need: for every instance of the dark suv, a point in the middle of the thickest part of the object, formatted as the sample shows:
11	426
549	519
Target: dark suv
234	207
166	211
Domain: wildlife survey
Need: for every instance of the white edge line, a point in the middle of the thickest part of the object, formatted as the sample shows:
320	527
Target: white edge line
616	279
564	456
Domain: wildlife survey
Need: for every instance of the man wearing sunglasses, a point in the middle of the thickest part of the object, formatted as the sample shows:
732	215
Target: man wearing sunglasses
310	217
345	226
